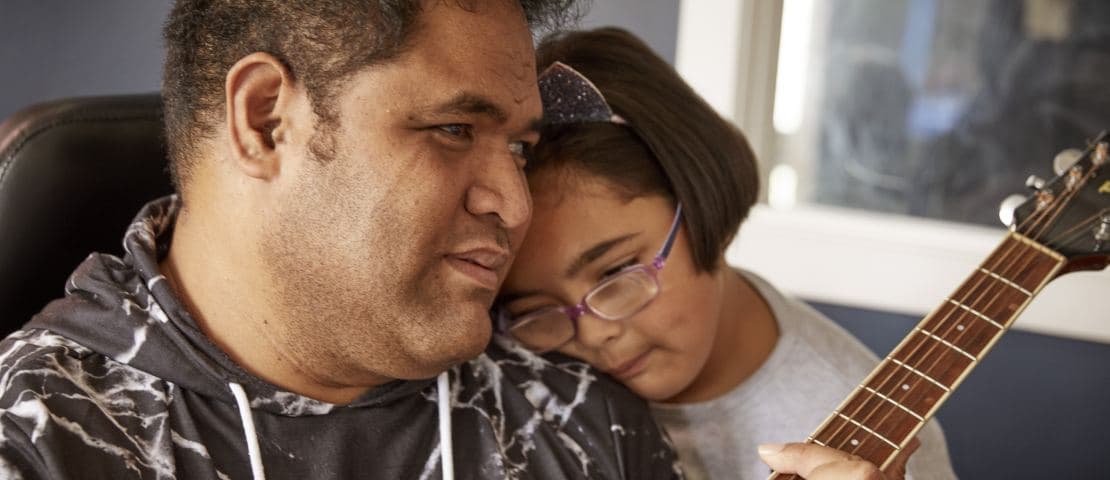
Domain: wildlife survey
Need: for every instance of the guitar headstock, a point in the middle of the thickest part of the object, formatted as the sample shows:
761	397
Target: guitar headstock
1071	213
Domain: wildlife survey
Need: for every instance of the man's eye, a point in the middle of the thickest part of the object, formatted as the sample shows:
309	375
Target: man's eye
457	130
522	150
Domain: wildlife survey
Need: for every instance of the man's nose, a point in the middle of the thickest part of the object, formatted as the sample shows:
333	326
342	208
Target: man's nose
500	188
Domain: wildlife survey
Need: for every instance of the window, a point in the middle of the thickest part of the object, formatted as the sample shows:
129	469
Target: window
890	131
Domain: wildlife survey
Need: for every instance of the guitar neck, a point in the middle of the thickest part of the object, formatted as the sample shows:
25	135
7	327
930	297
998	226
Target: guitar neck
884	412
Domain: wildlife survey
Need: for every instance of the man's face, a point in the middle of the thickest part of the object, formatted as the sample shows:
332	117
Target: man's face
387	256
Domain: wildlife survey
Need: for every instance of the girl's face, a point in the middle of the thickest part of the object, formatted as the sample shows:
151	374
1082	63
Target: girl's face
582	231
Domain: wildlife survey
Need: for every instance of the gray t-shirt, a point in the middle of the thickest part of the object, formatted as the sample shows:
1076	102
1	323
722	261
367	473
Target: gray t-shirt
815	364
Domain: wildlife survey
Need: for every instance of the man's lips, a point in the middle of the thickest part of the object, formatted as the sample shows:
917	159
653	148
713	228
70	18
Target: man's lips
491	258
481	264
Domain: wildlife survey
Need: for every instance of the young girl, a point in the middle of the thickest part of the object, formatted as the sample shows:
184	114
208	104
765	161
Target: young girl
638	187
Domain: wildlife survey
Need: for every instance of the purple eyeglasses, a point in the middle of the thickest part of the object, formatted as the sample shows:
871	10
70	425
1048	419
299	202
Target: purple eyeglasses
617	297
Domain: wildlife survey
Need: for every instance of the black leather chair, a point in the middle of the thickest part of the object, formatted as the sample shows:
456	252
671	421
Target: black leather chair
73	173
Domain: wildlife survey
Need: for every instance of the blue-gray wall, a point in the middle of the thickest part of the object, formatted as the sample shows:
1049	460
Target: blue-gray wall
656	21
60	48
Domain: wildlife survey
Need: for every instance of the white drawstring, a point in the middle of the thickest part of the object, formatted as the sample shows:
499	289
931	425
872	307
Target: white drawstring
248	431
446	450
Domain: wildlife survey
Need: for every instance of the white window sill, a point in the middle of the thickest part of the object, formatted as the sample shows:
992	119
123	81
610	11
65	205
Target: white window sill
903	265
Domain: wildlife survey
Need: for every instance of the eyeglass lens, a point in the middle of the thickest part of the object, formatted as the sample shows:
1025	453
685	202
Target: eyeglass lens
545	331
623	295
618	297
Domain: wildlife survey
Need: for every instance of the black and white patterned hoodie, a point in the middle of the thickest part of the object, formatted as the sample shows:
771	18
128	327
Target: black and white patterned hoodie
116	381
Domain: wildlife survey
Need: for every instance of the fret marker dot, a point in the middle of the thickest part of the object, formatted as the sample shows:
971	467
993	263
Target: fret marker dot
905	386
854	442
960	327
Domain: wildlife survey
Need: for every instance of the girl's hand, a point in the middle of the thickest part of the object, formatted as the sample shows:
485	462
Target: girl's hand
815	462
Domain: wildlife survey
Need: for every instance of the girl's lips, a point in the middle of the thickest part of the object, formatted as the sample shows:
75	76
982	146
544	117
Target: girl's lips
632	367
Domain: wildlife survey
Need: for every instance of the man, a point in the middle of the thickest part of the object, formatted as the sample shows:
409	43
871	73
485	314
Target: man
350	195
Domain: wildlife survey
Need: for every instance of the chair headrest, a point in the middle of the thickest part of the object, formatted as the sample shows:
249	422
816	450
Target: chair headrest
73	173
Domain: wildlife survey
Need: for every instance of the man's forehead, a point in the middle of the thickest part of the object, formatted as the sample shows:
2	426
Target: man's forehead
495	36
464	61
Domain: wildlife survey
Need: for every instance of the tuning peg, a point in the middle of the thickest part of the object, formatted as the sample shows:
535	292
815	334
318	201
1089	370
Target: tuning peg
1102	152
1102	231
1065	159
1008	207
1034	182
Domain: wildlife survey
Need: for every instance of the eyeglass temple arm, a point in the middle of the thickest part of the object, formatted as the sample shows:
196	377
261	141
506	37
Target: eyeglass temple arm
665	250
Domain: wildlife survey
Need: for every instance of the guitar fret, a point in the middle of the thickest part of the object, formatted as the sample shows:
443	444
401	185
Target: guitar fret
970	333
896	404
814	440
976	313
868	430
947	344
920	374
1005	280
1037	246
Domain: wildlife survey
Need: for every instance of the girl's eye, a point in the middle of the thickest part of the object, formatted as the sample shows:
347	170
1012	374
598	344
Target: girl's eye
617	269
521	312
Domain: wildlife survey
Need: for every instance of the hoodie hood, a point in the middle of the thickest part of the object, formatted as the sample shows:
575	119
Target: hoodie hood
156	334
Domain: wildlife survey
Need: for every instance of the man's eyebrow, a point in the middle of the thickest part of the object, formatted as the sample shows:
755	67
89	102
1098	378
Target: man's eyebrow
469	103
596	252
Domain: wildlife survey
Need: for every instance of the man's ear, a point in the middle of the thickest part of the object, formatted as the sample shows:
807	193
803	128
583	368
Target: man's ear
260	95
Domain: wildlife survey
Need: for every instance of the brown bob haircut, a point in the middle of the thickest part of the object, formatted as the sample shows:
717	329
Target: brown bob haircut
674	145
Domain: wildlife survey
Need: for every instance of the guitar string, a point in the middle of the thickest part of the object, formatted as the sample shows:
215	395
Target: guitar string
942	323
1076	232
1035	219
888	385
1048	215
1070	193
907	377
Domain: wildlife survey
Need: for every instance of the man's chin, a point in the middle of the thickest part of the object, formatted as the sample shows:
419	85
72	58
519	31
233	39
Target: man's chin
456	343
471	338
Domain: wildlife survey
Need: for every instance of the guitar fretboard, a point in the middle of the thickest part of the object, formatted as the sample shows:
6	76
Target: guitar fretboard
885	411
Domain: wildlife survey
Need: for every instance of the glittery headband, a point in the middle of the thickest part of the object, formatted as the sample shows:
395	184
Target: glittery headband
570	97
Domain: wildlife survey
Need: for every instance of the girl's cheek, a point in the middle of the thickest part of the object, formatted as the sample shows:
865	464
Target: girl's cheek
663	324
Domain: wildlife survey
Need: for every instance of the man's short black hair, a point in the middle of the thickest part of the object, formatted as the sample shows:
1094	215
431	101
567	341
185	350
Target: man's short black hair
321	42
